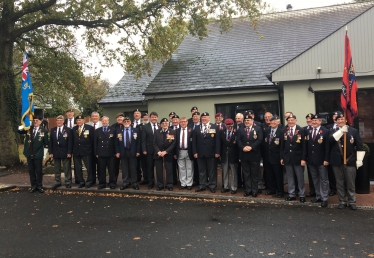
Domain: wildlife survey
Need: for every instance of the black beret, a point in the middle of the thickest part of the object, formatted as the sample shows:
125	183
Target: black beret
309	115
175	116
274	118
144	114
196	113
316	116
193	108
248	116
291	116
205	114
164	120
79	117
171	113
136	110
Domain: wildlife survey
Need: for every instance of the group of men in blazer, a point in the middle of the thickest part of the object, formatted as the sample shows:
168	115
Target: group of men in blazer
196	143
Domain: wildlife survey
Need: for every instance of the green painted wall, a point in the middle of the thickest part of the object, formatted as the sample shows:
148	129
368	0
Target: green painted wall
111	111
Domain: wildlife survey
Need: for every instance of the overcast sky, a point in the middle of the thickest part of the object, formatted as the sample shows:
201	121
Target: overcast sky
115	73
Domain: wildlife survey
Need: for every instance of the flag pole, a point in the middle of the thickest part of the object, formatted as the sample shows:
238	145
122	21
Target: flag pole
345	119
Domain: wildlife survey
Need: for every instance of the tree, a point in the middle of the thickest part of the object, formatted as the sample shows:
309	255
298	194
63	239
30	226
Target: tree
95	89
151	30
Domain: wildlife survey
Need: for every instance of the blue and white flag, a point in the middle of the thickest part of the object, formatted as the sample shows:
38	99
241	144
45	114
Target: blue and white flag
27	112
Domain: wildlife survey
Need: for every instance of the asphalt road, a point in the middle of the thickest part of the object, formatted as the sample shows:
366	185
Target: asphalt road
56	225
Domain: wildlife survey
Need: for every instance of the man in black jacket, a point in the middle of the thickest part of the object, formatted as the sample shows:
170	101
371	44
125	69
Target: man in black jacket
60	149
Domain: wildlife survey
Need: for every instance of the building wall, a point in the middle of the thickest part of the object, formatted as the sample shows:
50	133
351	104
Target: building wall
300	101
182	106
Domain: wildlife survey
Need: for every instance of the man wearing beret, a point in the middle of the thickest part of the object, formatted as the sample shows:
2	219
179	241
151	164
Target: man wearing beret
117	161
206	146
171	115
137	122
145	118
83	147
308	129
33	149
163	148
229	156
318	158
273	139
332	181
250	140
137	118
175	125
61	149
219	121
143	158
148	132
191	123
128	148
345	174
195	123
95	123
70	121
293	157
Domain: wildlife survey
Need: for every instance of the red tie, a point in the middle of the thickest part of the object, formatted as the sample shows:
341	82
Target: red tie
314	134
183	140
291	133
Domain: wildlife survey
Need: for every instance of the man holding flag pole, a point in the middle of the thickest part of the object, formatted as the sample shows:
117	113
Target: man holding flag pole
343	153
36	136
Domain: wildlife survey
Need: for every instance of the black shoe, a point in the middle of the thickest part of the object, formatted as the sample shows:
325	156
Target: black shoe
68	186
112	187
150	186
233	192
144	182
311	194
170	188
212	190
324	204
289	198
280	195
189	187
160	188
200	189
56	186
247	194
123	187
353	207
341	206
136	187
40	190
332	193
81	186
100	187
302	199
270	193
224	190
88	185
194	183
316	200
182	187
32	190
254	194
259	191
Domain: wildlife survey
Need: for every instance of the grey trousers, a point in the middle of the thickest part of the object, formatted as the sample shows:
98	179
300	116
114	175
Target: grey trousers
185	167
297	170
66	166
345	183
225	174
321	181
207	170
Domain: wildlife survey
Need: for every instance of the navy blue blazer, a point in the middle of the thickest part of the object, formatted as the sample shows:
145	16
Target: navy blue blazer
293	148
121	138
188	144
254	141
206	146
272	148
60	148
318	149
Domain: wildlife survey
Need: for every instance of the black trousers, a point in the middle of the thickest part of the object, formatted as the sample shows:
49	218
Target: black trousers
103	163
138	169
274	177
117	162
94	163
144	165
150	167
78	169
207	169
175	171
196	171
128	168
160	163
251	174
35	172
240	175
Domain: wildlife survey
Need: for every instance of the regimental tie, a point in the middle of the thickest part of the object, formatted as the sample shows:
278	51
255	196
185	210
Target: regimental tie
183	147
154	128
248	132
70	125
79	131
127	138
228	136
205	130
291	133
59	133
314	134
271	136
94	126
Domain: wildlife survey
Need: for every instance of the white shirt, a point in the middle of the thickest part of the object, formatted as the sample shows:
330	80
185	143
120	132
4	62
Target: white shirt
59	128
36	129
137	122
153	127
185	138
72	122
293	130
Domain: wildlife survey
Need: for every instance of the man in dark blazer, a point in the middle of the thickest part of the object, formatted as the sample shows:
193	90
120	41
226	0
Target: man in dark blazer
163	154
195	122
273	139
174	126
293	157
143	178
308	129
184	155
128	149
206	146
83	146
61	149
318	158
191	122
229	156
148	132
346	174
250	140
117	161
33	149
239	123
332	181
105	153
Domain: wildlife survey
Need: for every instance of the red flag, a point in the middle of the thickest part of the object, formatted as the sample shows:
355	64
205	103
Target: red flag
348	98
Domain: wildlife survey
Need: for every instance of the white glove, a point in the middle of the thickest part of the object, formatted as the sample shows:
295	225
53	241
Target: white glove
360	157
20	128
337	135
344	129
358	163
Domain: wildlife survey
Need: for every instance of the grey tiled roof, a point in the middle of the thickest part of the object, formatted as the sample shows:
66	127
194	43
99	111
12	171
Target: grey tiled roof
130	90
240	58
